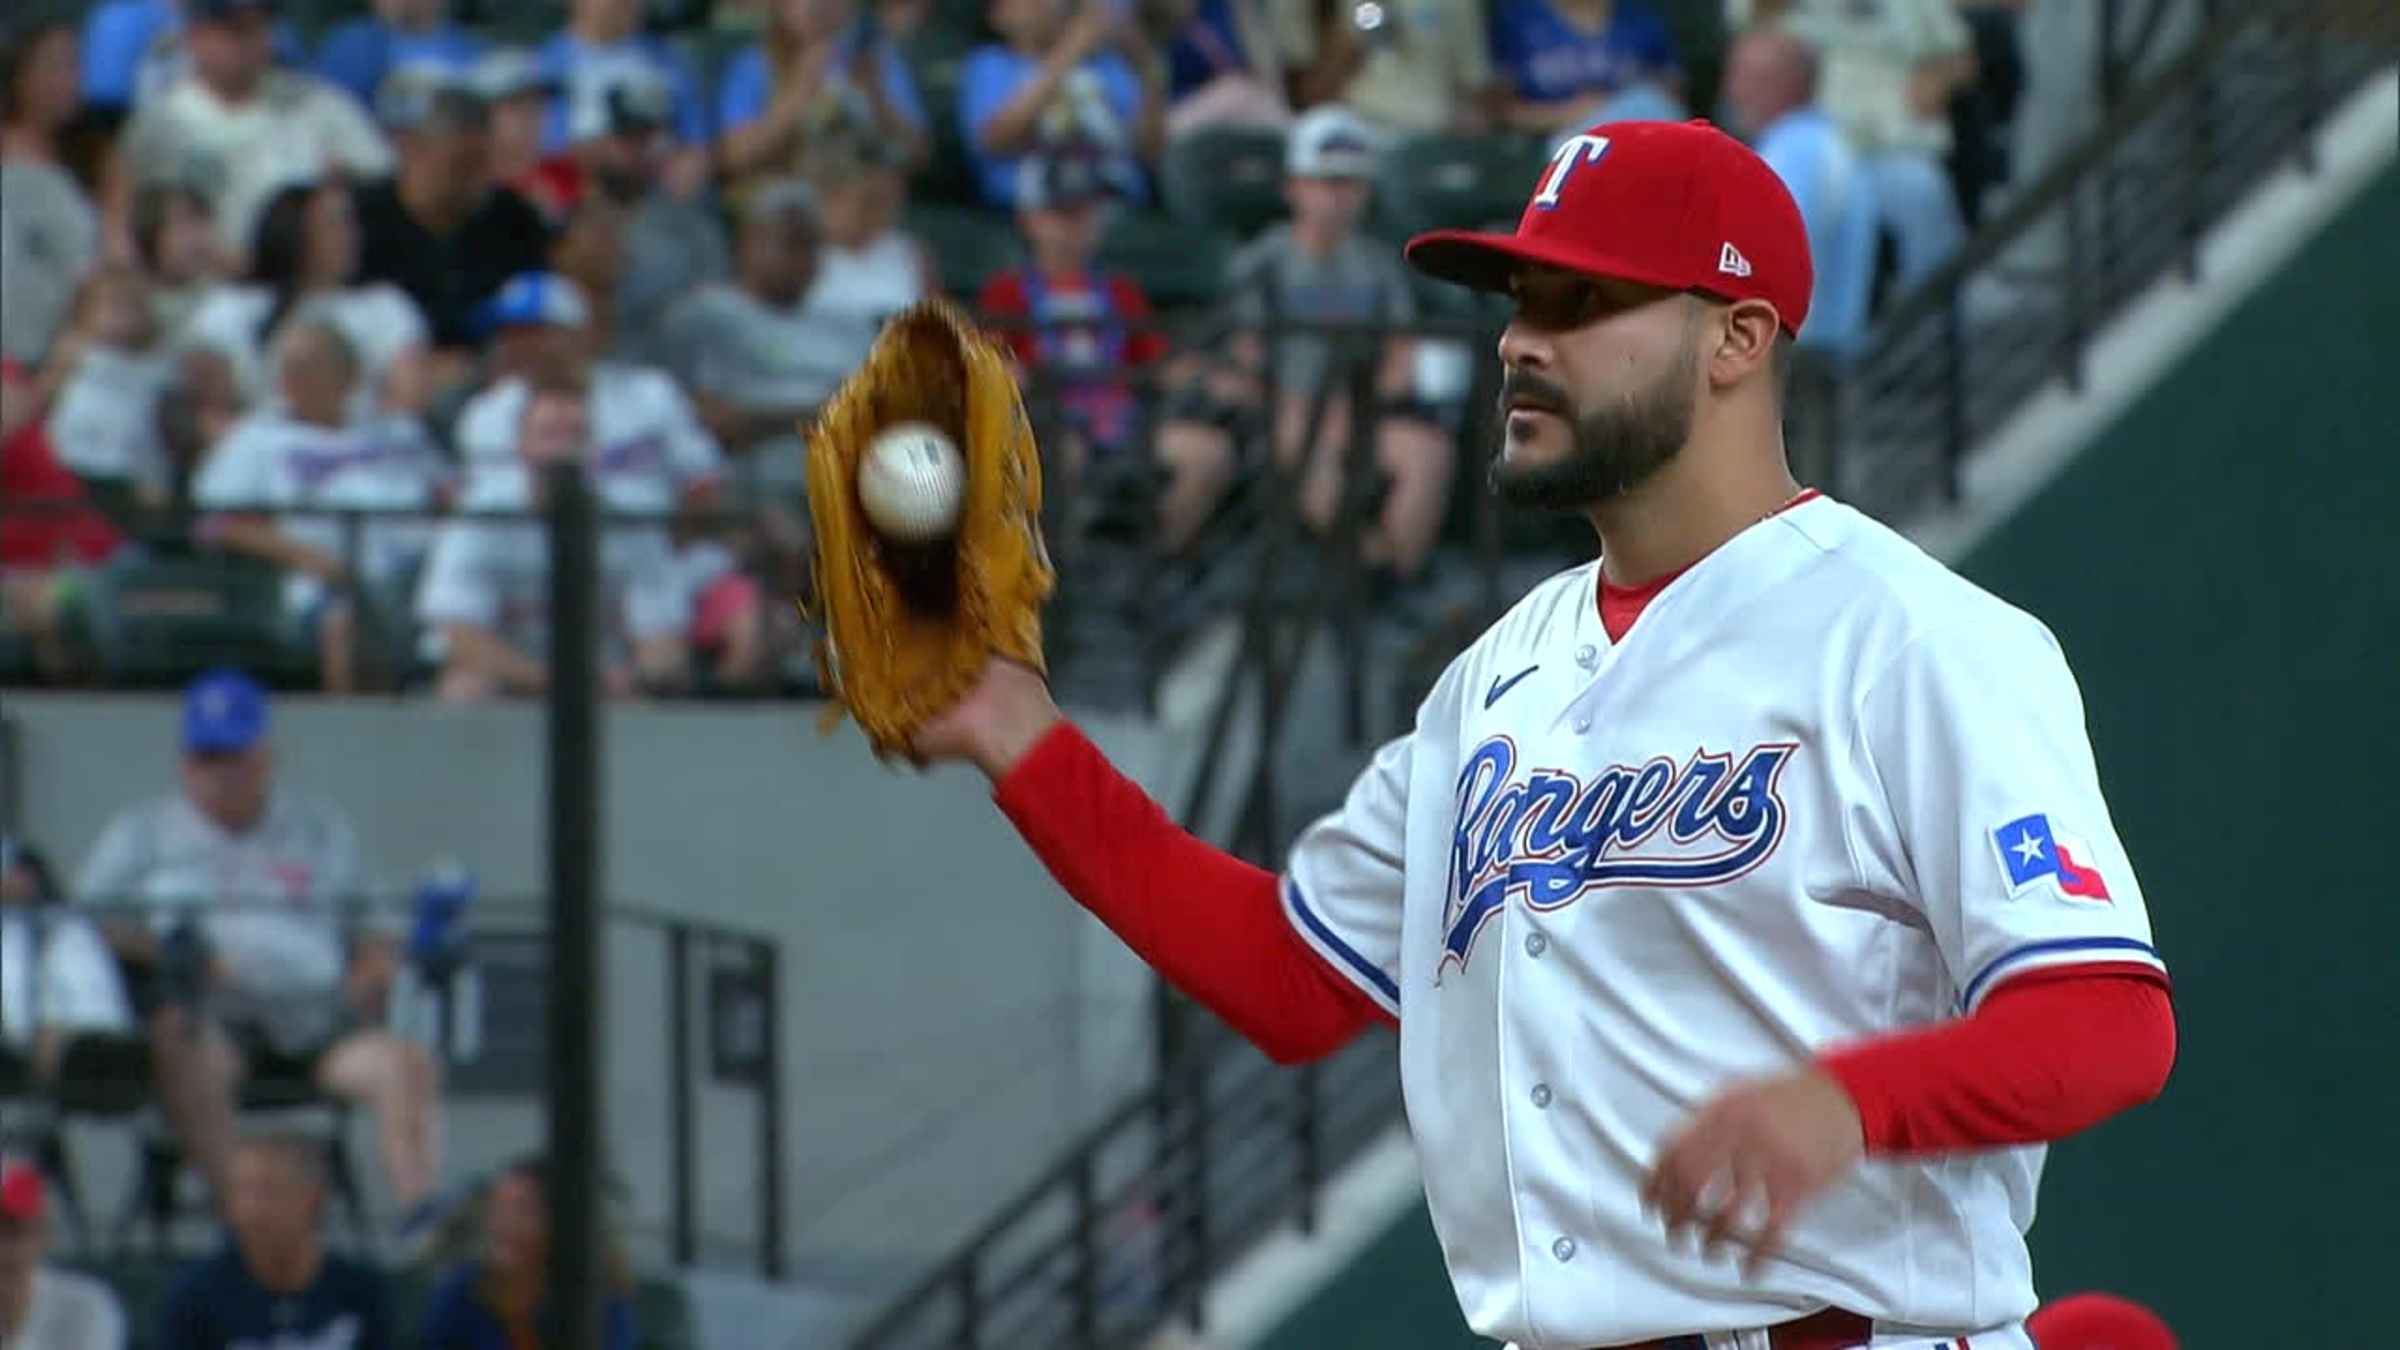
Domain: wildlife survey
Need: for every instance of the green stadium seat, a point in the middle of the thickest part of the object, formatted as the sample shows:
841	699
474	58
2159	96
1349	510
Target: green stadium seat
1179	266
1441	181
968	243
1228	179
157	621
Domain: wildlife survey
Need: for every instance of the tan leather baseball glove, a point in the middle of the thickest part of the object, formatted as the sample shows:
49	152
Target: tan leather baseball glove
908	628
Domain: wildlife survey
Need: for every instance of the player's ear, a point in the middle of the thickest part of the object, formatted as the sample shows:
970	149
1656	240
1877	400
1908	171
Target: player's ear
1742	344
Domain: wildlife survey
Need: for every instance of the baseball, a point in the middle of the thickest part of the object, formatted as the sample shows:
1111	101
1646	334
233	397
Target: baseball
912	482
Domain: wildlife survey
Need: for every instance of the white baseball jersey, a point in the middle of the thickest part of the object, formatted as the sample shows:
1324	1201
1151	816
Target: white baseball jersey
269	897
647	443
495	574
269	462
1823	789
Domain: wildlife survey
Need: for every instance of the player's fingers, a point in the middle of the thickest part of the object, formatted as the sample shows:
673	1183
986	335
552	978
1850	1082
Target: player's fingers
1783	1202
1681	1174
1731	1204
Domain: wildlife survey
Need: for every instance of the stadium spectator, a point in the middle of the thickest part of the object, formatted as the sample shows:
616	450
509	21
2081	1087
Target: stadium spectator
175	242
1085	333
301	450
1319	267
44	1307
869	268
110	369
822	66
501	1300
1887	70
49	233
669	243
359	54
134	48
441	229
754	358
1568	64
602	49
513	81
1423	67
254	879
1062	76
49	535
274	1284
486	589
58	982
304	263
239	128
1770	93
1222	66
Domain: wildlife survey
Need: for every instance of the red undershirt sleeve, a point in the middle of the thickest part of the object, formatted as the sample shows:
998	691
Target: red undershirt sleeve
1212	924
2043	1055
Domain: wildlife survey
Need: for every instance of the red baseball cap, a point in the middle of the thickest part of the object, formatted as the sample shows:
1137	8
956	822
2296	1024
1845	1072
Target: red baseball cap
2098	1322
21	1191
1674	204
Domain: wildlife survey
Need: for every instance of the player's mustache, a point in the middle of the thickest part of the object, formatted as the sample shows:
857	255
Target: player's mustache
1524	389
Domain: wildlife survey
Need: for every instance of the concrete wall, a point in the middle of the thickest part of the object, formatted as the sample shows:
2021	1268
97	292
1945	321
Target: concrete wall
948	1016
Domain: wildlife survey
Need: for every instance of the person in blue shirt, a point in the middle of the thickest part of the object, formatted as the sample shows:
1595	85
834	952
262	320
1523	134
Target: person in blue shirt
357	55
274	1284
1568	64
131	47
501	1300
590	56
822	65
1061	77
1770	96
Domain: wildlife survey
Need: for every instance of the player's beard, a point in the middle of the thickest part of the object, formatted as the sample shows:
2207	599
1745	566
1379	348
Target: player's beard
1614	449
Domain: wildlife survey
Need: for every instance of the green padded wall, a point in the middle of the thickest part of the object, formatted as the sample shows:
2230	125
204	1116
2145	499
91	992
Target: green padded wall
2223	569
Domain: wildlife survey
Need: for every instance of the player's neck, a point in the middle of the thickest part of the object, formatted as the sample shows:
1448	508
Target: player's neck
1703	497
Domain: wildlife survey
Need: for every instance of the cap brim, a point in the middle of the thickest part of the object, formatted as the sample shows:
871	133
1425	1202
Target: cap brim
1484	260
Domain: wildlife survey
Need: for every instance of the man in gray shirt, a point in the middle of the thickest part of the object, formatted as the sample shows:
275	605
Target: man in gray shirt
259	875
1318	268
754	357
670	244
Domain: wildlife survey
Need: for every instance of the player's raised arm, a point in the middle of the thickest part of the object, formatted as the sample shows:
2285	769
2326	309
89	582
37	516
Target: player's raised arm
1211	923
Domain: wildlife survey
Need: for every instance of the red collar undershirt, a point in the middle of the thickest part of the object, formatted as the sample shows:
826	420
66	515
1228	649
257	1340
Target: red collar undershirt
1621	605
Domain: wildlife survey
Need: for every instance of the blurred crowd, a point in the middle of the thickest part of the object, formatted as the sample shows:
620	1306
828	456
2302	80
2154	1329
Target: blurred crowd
273	265
216	955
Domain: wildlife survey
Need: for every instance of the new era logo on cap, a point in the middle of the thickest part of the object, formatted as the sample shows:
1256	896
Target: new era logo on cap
1640	202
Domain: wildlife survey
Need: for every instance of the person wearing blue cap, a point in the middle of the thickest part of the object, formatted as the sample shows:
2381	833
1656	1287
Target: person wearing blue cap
244	889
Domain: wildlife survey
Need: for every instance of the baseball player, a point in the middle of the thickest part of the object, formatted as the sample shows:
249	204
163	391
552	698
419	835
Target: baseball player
1746	899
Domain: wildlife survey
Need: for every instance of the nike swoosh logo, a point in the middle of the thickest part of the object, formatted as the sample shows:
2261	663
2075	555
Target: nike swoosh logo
1500	687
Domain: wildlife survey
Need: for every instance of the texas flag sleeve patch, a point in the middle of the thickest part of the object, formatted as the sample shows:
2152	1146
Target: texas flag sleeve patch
2031	851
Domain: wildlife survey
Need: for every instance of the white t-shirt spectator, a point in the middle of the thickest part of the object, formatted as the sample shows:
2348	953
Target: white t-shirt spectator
295	130
869	284
269	461
495	574
55	971
104	423
378	319
648	446
69	1311
266	900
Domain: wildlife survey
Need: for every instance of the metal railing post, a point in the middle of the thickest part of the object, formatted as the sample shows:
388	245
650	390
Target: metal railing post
2199	143
1196	1285
1954	393
2072	353
1306	1084
970	1303
1087	1254
679	1061
770	1123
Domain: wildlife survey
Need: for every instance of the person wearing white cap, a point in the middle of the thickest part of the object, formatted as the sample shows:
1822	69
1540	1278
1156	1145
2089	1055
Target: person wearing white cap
43	1307
1319	267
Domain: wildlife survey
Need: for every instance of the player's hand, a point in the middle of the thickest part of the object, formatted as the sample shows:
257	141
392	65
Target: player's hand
1746	1164
995	724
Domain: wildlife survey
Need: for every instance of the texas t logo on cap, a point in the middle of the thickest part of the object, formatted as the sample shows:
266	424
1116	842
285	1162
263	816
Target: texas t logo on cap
1678	205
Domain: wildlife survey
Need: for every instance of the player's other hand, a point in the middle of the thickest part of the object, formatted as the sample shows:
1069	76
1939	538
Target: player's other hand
995	724
1751	1159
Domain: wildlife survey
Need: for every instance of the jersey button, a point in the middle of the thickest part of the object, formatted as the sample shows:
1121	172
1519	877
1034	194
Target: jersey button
1587	656
1536	944
1563	1249
1541	1096
1582	725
